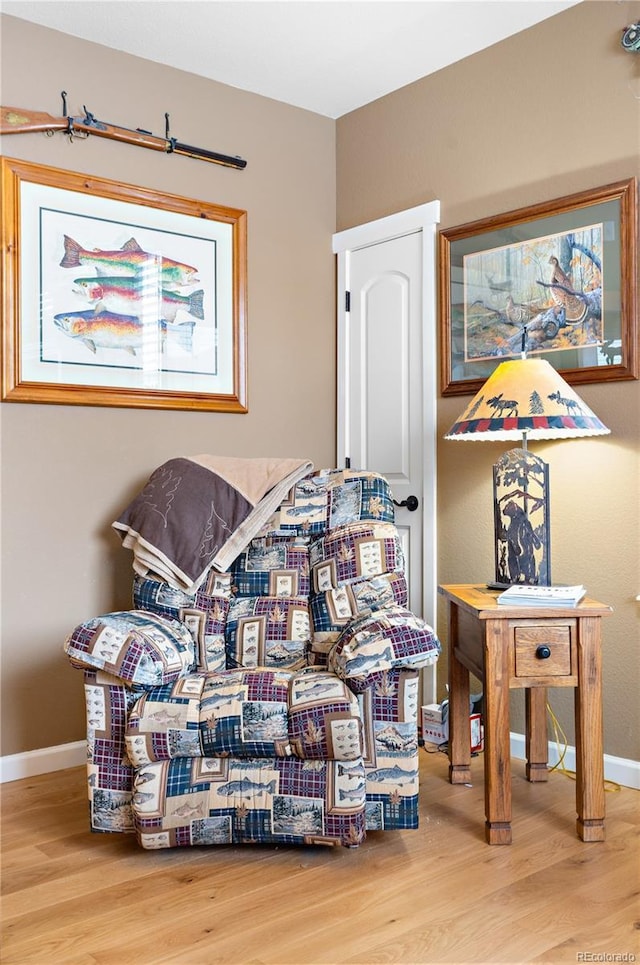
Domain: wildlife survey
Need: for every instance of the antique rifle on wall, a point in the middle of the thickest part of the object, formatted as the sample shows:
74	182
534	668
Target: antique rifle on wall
13	120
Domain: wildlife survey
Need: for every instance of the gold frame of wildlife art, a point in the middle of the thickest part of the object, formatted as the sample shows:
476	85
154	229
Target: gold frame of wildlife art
557	280
119	295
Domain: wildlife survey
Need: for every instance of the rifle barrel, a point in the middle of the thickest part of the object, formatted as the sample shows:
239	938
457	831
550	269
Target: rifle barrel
202	153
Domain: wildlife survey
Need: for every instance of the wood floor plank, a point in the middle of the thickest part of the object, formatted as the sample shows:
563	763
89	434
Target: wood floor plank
603	937
439	894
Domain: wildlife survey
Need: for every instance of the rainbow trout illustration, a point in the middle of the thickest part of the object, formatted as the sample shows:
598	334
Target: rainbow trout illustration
127	295
128	260
108	330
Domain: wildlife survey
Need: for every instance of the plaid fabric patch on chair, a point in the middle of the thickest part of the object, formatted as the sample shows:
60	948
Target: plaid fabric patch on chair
390	709
357	495
333	609
273	566
165	722
353	552
109	772
185	802
324	718
204	613
245	713
268	631
329	498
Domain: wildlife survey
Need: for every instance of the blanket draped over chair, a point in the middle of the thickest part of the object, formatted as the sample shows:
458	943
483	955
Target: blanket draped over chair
200	512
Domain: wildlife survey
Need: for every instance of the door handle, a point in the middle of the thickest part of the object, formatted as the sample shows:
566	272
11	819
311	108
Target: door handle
411	502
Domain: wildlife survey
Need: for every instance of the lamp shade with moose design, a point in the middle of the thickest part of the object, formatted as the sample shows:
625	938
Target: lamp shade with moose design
526	397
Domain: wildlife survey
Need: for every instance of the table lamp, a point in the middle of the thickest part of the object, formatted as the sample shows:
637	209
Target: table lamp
524	398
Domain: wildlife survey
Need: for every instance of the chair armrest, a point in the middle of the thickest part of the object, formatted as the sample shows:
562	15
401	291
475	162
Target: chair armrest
136	646
388	638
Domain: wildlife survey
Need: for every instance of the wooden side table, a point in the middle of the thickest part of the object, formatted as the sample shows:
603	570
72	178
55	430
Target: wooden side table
532	647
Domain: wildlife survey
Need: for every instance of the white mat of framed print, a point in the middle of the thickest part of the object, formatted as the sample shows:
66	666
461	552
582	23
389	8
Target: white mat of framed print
120	295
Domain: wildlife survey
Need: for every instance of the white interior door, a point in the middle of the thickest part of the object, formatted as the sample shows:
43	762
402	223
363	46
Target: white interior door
387	378
385	421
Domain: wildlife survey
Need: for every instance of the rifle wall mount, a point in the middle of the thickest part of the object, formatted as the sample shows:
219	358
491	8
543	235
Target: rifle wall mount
14	120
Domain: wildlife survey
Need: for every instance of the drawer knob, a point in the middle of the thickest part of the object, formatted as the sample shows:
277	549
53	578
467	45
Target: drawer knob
543	652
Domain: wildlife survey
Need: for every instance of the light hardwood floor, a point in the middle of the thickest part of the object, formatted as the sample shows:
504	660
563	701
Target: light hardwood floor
435	895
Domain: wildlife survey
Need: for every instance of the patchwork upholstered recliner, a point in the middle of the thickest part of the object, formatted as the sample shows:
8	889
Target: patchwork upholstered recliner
276	700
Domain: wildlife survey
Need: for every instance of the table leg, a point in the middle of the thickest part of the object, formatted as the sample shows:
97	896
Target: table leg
589	751
497	751
459	737
536	733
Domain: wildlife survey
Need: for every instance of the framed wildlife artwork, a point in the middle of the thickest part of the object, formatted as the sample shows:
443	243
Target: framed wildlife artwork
556	280
119	295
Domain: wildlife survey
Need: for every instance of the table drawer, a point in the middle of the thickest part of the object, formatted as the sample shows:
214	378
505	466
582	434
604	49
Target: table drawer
542	651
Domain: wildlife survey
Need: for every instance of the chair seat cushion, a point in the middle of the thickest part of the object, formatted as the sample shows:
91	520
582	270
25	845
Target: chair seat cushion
311	715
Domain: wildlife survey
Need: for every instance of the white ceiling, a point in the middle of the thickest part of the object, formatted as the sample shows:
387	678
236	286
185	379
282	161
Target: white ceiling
327	56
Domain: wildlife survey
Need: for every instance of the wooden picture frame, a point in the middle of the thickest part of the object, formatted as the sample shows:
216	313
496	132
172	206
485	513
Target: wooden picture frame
565	269
118	295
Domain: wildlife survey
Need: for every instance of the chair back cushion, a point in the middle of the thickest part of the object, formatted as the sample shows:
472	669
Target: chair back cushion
204	613
268	631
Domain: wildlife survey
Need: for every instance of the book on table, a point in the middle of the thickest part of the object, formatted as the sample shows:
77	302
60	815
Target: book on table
521	595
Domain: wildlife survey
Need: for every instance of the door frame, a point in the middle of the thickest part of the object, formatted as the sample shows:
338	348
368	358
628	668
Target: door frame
423	218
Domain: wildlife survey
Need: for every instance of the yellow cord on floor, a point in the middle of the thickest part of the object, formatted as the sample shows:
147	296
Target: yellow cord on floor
559	734
560	739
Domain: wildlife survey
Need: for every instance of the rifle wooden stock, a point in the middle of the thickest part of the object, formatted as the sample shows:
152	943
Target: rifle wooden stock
13	120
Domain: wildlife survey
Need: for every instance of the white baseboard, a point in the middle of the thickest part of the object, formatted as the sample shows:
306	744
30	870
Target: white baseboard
13	767
620	770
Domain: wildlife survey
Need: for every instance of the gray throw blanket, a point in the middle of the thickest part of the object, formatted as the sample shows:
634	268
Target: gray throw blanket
198	513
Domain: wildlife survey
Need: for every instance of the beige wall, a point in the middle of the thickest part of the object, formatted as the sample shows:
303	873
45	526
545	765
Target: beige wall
546	113
67	471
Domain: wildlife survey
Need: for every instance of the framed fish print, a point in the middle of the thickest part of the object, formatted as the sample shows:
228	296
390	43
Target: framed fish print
556	280
119	295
